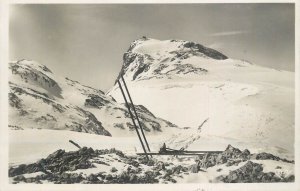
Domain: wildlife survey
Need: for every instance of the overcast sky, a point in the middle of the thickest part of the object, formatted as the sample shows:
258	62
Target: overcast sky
87	42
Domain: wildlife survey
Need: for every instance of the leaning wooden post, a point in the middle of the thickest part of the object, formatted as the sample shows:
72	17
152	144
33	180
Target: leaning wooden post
132	118
79	147
137	117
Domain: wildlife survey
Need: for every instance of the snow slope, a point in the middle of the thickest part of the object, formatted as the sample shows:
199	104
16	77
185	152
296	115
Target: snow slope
40	100
223	100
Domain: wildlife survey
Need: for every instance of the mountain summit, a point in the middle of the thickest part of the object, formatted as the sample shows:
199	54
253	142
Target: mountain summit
150	58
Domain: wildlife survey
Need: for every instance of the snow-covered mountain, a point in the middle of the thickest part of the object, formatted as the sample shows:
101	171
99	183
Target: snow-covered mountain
150	58
40	100
218	99
215	100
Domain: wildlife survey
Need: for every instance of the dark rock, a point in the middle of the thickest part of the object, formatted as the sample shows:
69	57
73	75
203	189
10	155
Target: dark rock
14	171
96	101
119	125
19	178
245	154
232	152
221	159
265	156
145	161
139	170
233	177
160	166
129	169
250	172
91	124
133	163
133	178
177	169
30	180
108	177
72	178
23	169
142	68
185	169
185	69
92	178
15	101
15	127
290	178
194	168
157	173
267	177
207	161
207	51
56	154
230	156
59	161
233	162
113	169
268	156
147	178
173	180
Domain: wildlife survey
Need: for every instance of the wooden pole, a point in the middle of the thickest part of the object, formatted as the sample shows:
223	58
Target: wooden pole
137	117
132	118
79	147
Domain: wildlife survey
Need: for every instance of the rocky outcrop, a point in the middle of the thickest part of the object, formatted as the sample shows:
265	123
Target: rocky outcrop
186	69
15	127
207	51
230	156
268	156
60	167
141	63
233	156
253	172
95	101
58	162
92	124
149	122
14	101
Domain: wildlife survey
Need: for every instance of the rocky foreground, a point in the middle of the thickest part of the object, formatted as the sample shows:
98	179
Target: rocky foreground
89	166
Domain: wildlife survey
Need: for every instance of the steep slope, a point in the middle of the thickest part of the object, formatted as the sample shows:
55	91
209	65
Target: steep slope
38	99
222	99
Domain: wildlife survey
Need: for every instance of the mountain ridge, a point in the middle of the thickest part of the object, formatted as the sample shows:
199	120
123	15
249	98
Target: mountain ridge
39	99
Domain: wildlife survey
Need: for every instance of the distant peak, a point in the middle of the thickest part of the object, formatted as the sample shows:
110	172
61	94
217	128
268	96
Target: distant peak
31	64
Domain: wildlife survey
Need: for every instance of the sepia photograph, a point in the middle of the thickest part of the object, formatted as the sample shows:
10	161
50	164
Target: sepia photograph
164	94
